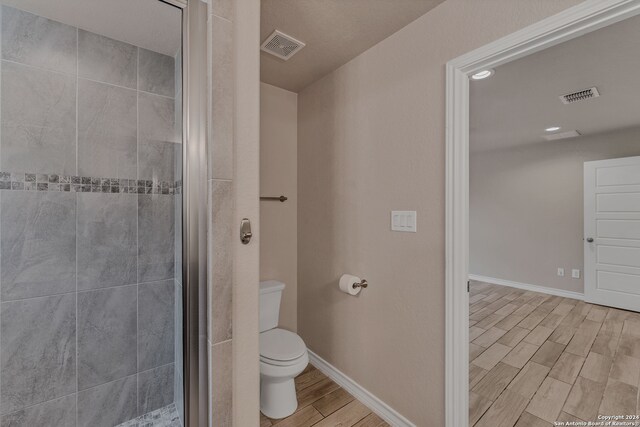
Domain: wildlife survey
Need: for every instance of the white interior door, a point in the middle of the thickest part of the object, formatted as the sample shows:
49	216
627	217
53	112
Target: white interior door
612	232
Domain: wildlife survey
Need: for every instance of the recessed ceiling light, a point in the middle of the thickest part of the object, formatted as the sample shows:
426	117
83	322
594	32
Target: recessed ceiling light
481	75
552	129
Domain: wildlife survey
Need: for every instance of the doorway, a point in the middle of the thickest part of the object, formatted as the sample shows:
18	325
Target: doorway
568	25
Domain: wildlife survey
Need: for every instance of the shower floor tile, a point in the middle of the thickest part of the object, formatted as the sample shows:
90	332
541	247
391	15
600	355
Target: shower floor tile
163	417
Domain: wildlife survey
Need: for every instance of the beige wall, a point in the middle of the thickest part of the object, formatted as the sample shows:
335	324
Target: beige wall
278	176
371	138
526	207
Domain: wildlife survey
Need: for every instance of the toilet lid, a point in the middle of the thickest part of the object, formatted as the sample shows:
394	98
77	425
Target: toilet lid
278	344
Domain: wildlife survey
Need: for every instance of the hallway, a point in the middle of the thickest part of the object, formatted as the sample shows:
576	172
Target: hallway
537	358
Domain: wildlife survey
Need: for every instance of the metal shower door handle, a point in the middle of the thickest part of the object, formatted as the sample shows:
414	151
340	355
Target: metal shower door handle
245	231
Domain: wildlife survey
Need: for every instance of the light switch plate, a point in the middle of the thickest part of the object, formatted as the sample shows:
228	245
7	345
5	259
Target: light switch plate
561	272
404	221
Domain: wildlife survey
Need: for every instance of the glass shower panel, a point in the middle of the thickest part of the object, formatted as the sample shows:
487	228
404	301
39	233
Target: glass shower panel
90	222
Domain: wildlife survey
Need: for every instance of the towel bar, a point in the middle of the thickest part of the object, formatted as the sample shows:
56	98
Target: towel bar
280	198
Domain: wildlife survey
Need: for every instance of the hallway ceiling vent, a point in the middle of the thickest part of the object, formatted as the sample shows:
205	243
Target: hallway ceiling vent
281	45
562	135
580	95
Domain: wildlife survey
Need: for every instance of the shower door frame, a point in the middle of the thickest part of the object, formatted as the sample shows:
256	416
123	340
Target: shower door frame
194	210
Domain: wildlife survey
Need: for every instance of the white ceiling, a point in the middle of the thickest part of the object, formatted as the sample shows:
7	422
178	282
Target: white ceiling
514	106
335	31
150	24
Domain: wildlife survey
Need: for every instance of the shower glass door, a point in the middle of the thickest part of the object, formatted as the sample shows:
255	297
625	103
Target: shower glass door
90	213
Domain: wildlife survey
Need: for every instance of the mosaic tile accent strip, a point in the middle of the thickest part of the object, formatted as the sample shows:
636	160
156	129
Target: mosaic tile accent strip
85	184
163	417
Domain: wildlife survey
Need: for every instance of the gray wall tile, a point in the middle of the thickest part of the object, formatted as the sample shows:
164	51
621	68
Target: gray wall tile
157	137
37	243
178	146
37	350
157	160
178	327
178	96
54	413
33	40
178	238
156	324
178	382
178	72
38	121
221	139
221	261
155	237
107	60
106	335
107	243
108	404
221	368
178	396
107	130
155	388
156	73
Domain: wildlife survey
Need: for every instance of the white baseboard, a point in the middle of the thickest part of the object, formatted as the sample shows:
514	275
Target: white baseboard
376	405
528	287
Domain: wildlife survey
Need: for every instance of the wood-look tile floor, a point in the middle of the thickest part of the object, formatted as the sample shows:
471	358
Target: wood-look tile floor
323	403
536	359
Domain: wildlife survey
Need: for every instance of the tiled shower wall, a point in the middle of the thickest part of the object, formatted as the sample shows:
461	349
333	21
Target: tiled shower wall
89	186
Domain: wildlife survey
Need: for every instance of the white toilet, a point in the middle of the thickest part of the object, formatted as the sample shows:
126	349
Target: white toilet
283	356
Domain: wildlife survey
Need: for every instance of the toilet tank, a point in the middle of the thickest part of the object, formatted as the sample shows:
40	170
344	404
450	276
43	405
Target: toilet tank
270	296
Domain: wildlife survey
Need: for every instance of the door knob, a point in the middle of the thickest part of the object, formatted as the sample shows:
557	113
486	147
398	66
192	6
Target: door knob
590	239
245	231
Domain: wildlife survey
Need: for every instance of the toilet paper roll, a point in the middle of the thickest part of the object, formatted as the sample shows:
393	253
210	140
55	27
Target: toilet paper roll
346	284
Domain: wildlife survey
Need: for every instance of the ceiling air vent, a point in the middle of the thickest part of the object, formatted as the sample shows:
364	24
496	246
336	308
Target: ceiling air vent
562	135
580	95
281	45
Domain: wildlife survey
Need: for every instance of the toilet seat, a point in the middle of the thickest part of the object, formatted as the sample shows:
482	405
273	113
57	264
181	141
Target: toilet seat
280	347
283	363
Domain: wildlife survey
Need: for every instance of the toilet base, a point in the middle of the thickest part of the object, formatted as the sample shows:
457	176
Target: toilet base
277	397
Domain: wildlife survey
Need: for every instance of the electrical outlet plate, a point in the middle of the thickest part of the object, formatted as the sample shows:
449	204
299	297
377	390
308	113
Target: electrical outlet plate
575	273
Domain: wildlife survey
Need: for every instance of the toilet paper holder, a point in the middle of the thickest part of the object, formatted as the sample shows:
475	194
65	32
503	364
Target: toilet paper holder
362	284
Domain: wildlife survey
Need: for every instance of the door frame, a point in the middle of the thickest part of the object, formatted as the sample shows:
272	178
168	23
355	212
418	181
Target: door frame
194	207
583	18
